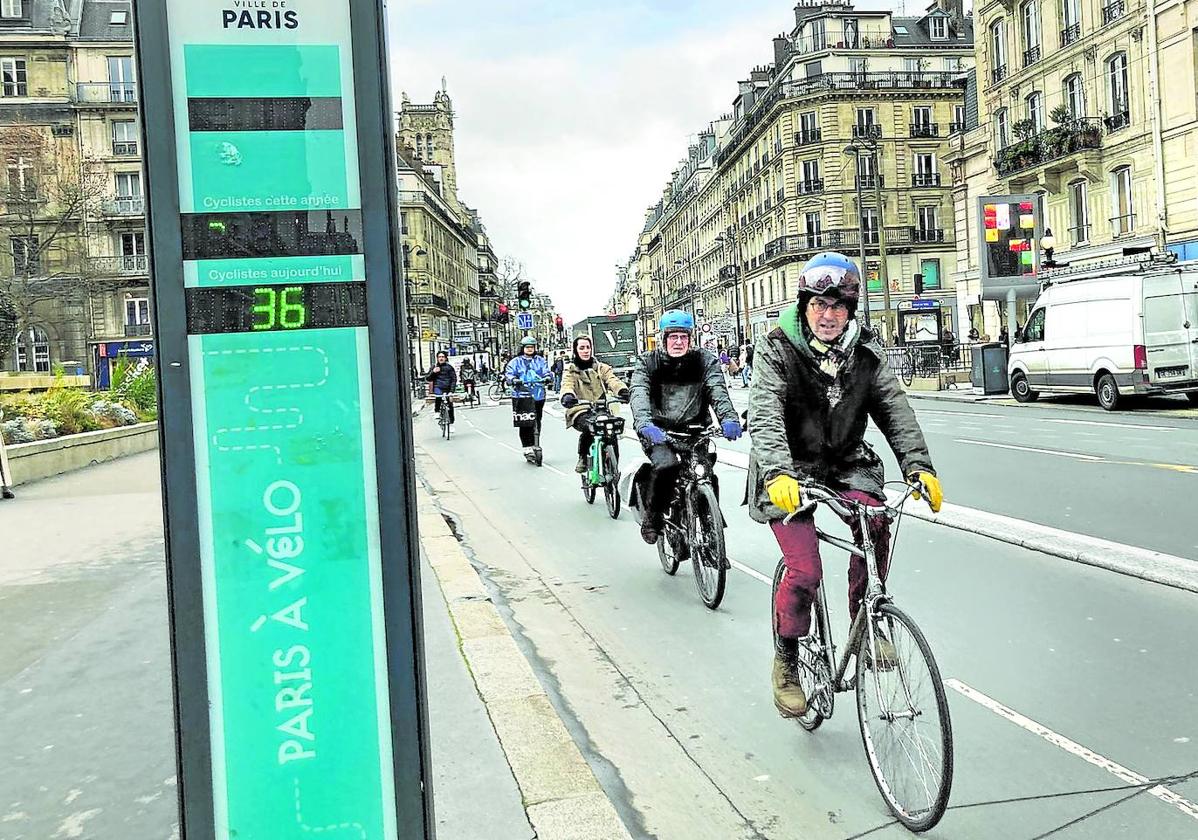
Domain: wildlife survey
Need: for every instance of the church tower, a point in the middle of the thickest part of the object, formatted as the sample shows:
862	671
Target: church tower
428	131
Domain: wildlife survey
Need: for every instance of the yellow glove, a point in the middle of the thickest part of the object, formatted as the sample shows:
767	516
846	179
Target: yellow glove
931	484
784	492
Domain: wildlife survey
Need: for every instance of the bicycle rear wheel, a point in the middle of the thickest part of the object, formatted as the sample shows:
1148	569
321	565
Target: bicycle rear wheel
905	726
907	370
815	678
495	392
588	489
445	424
611	478
706	541
671	550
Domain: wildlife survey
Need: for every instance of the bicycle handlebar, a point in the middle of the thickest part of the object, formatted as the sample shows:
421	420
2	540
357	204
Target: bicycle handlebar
816	494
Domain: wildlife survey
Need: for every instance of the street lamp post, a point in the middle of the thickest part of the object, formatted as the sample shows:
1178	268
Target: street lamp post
413	339
853	150
871	145
738	273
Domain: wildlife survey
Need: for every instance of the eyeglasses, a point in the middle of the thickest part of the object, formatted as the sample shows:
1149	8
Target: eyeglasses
822	306
678	336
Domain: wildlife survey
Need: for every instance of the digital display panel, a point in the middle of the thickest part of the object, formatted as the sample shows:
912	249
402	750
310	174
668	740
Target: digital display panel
217	236
310	306
1009	228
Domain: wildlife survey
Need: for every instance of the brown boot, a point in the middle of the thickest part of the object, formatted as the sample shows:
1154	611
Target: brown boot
788	694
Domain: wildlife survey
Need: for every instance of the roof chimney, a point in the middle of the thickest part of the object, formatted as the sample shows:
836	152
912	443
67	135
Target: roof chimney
781	50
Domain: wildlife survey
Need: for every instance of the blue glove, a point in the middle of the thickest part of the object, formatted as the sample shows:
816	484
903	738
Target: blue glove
731	429
569	400
654	435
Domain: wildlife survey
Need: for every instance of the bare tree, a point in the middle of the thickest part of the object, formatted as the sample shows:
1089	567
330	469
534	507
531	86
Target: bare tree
47	194
510	272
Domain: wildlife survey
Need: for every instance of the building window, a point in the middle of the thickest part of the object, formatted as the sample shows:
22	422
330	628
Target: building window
1075	96
1031	31
958	119
1071	14
929	218
26	256
133	244
921	116
1035	111
15	78
819	35
122	86
128	185
1079	213
857	67
815	231
811	181
1116	76
1002	129
21	183
930	269
124	137
137	311
998	50
10	9
869	225
1123	220
33	350
939	28
119	18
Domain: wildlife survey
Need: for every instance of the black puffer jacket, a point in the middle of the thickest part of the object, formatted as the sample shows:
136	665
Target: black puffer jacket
798	430
675	393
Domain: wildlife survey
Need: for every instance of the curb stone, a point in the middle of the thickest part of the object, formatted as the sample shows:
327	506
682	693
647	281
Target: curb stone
562	798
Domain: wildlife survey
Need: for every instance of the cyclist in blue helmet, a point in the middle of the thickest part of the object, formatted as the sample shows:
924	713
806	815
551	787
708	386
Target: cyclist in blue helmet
819	378
674	386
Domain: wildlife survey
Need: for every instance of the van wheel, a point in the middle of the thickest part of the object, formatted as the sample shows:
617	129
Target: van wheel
1023	392
1107	392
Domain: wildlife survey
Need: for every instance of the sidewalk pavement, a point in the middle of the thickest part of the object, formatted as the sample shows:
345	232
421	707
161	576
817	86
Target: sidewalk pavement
504	763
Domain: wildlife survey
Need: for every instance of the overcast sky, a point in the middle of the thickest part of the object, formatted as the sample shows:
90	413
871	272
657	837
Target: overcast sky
571	114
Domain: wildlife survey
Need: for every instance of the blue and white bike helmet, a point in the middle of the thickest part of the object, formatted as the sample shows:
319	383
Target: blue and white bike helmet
676	320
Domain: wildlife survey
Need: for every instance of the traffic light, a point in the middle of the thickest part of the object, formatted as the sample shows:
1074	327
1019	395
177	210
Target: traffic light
524	295
919	284
501	314
557	323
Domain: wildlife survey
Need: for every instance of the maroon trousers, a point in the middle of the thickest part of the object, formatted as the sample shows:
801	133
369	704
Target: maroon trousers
805	570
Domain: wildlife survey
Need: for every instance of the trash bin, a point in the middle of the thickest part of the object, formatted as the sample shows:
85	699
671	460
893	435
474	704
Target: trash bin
994	369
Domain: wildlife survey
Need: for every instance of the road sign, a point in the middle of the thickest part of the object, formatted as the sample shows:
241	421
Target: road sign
925	303
706	328
290	519
524	320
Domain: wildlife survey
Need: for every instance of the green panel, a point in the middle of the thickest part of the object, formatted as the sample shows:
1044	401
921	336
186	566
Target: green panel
874	285
330	269
269	170
285	449
930	269
262	70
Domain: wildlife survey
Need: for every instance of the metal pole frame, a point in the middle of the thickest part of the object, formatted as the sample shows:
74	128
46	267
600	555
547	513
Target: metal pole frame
391	374
861	244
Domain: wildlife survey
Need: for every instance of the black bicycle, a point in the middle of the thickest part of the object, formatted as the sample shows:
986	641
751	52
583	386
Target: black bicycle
694	526
901	704
443	415
603	462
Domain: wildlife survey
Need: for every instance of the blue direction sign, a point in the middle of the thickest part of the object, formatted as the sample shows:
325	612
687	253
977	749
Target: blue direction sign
524	320
292	576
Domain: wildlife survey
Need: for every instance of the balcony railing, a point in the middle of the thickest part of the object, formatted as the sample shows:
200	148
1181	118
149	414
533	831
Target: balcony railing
427	301
1117	121
997	74
1123	225
106	93
924	235
867	130
814	185
1052	144
138	330
1113	11
125	206
925	130
956	127
803	244
1031	56
925	179
1070	34
125	264
124	147
807	136
868	181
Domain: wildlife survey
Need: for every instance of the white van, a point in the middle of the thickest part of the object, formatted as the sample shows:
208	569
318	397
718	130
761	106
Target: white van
1115	336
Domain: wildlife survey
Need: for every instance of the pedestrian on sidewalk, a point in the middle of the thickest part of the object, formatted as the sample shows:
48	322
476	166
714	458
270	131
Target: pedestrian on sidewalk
6	479
559	367
973	334
746	369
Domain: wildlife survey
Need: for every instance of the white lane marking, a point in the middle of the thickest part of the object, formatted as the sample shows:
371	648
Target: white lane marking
1063	420
1115	769
753	573
1076	455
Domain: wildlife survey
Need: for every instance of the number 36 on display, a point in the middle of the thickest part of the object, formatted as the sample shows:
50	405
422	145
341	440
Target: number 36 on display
279	308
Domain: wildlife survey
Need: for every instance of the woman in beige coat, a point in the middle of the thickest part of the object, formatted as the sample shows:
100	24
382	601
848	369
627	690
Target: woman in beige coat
588	380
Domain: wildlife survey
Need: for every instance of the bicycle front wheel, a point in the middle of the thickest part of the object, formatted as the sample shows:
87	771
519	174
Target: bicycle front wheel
905	725
495	392
907	370
706	540
611	478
